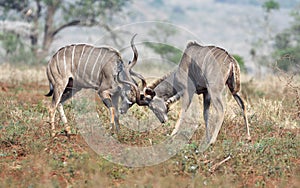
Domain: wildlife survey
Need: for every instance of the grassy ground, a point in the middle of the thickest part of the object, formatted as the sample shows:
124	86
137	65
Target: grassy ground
29	157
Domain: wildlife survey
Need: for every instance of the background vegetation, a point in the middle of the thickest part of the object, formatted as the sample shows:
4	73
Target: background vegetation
47	18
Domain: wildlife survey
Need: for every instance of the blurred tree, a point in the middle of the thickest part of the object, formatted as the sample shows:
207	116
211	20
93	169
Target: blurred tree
270	5
11	42
263	45
52	16
162	33
287	46
241	62
166	51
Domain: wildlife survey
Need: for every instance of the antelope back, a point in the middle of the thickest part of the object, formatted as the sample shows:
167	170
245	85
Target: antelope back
84	63
204	64
230	68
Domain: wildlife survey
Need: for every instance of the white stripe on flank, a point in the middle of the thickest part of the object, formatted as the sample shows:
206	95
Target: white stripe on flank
95	64
225	59
100	67
65	63
87	61
57	62
206	60
79	61
72	59
219	52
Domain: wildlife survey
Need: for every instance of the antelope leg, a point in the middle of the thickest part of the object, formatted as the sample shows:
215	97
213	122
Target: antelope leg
241	104
219	116
64	118
106	98
57	93
186	101
115	100
206	106
52	112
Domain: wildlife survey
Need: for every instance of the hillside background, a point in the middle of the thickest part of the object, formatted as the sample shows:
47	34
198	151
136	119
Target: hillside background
231	24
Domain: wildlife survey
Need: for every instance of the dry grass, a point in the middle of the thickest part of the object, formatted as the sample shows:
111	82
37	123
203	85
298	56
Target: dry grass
29	157
13	75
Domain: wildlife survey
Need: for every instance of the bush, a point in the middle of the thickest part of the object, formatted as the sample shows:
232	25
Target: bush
16	51
241	62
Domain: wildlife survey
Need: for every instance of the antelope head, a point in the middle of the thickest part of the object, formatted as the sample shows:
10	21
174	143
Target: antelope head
158	106
148	97
130	93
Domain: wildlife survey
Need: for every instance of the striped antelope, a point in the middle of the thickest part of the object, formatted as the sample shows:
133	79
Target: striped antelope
79	66
202	70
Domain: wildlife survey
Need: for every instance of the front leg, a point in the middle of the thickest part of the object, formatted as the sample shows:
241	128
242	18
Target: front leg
186	102
115	100
107	100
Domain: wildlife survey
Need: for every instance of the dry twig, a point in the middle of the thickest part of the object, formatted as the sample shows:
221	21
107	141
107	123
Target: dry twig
216	166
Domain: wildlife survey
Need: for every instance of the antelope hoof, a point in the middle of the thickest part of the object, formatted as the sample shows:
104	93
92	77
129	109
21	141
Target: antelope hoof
68	130
248	138
112	128
53	134
174	132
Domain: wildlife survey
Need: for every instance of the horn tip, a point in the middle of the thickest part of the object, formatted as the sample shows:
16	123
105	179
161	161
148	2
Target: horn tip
133	37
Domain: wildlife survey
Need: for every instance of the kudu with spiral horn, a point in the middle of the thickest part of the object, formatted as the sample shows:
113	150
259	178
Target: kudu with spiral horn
83	66
205	69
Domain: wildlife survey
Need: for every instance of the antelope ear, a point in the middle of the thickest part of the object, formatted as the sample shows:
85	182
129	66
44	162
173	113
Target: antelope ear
149	92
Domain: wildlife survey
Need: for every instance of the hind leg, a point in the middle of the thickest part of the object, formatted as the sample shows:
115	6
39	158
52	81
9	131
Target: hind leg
57	93
206	106
64	118
218	105
242	106
67	94
52	112
60	94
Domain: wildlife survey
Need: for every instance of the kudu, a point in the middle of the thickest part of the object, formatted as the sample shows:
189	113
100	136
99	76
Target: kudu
202	70
83	66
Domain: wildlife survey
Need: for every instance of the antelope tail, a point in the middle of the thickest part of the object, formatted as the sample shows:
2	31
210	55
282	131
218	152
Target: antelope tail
234	79
51	91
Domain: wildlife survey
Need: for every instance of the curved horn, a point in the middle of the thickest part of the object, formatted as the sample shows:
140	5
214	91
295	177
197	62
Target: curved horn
134	61
135	56
135	88
174	98
156	82
144	83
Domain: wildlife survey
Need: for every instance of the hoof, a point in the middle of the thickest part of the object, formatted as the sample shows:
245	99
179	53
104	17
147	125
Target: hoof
68	134
173	133
67	130
53	134
114	132
248	138
114	129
